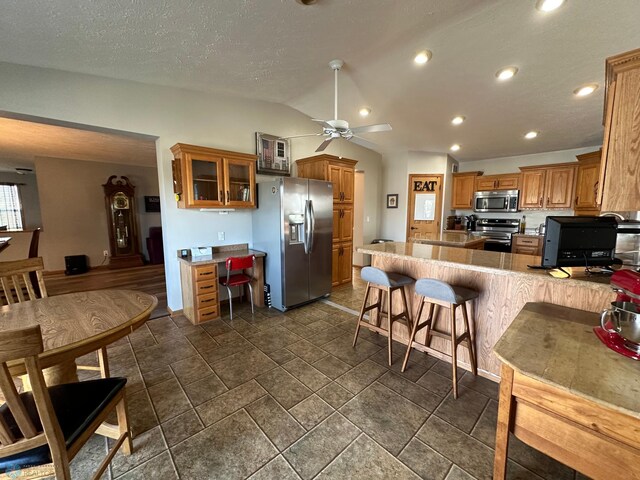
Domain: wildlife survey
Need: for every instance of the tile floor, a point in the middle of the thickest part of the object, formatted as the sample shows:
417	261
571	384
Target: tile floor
285	396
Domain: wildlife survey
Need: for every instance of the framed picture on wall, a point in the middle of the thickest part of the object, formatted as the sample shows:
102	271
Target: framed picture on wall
392	200
151	203
274	155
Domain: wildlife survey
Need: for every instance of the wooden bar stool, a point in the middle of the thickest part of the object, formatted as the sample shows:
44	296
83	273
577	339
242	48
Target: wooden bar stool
387	283
440	293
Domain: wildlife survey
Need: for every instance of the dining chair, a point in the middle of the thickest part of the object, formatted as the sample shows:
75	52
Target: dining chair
49	425
234	264
18	286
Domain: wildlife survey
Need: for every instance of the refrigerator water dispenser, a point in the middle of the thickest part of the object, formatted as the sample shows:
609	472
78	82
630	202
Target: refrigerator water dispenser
296	228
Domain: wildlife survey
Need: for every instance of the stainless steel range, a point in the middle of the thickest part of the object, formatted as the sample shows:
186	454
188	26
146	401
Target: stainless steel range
498	233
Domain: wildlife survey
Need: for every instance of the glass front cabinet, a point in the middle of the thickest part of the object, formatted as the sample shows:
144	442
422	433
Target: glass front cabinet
210	178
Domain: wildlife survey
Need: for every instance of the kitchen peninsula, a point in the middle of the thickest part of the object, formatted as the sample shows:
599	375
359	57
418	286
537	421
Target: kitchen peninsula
505	285
451	239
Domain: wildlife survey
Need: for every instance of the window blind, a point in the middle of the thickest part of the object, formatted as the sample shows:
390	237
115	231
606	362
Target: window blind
10	207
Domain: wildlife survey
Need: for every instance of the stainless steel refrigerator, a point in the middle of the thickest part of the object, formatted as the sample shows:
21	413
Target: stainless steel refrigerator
293	225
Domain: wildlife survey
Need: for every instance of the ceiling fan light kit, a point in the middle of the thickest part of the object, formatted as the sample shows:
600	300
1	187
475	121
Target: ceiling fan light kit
337	128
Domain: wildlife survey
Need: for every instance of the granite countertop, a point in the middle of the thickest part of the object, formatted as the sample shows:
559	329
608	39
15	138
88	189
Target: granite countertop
458	238
220	254
480	260
556	345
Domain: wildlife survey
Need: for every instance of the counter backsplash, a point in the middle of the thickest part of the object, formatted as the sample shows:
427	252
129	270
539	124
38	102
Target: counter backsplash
534	218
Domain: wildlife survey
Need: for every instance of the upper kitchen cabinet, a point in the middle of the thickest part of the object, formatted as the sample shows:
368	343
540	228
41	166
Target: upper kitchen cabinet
463	186
210	178
548	187
587	182
620	168
532	192
509	181
559	187
339	171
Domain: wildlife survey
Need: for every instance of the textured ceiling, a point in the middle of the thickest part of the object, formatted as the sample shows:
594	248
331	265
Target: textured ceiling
21	141
278	50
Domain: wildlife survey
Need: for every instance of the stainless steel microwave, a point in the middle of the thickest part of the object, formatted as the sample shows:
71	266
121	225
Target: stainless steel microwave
496	201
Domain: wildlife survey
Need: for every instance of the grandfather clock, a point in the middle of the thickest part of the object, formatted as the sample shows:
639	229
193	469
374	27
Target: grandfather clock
119	197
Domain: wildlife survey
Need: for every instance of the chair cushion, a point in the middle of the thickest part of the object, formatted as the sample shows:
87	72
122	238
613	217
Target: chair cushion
380	277
235	280
444	292
76	405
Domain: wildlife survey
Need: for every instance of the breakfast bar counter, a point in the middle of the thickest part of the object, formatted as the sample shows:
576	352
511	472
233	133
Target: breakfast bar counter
460	239
568	395
504	283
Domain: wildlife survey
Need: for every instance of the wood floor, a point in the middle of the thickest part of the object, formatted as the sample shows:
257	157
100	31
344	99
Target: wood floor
149	279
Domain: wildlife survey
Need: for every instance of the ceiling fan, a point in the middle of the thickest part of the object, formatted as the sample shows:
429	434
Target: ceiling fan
337	128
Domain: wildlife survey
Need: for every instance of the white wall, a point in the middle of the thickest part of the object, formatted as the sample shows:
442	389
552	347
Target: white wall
175	115
397	168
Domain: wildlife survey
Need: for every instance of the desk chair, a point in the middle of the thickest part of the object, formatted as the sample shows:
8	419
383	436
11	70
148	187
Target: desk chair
51	424
18	286
239	279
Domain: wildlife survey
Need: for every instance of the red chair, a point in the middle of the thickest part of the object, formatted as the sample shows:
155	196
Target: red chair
239	279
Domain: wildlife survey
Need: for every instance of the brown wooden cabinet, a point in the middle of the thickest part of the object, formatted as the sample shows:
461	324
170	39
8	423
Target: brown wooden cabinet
548	187
509	181
199	292
463	186
211	178
560	186
342	223
587	182
527	244
620	168
532	192
339	171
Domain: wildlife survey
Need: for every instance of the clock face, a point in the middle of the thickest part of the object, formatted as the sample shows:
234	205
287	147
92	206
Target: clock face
120	201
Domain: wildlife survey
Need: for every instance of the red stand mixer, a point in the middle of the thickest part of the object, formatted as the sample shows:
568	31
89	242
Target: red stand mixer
620	325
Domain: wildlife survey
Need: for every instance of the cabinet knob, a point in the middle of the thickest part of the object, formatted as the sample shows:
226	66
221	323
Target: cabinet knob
548	201
540	201
577	198
221	195
227	196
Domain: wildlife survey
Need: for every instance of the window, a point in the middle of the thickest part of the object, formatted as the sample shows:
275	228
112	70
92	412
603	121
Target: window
10	207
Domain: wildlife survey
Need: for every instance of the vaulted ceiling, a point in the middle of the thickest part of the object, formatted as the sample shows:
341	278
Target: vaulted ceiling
278	50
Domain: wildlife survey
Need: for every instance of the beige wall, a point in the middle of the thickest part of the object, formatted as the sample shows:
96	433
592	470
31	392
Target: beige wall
176	115
73	212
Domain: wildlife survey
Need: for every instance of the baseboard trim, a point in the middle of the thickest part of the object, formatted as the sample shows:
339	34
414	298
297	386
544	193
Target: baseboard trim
174	312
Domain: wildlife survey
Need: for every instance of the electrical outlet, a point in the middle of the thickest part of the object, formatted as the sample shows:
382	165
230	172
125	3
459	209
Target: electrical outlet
105	253
220	235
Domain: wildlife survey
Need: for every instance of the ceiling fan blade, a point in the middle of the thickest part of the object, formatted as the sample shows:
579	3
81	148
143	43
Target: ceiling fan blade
322	122
324	145
300	136
380	127
363	142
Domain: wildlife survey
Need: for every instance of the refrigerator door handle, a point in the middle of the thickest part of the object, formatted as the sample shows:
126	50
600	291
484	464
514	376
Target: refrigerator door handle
307	224
312	225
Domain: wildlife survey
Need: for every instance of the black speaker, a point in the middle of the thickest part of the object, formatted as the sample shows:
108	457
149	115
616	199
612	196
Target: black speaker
75	264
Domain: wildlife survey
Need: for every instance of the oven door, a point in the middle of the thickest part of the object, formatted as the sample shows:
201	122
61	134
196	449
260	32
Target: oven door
483	203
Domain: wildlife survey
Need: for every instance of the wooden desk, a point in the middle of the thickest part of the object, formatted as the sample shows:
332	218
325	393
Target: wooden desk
76	324
199	281
566	394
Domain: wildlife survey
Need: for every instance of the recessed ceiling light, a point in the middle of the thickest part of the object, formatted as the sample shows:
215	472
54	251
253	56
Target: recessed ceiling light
585	90
422	57
364	112
548	5
458	120
506	73
455	147
531	134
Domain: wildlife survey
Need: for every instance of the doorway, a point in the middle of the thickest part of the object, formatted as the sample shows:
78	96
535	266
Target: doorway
358	218
424	209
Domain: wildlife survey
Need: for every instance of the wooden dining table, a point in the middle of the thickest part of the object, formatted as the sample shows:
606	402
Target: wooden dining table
75	324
